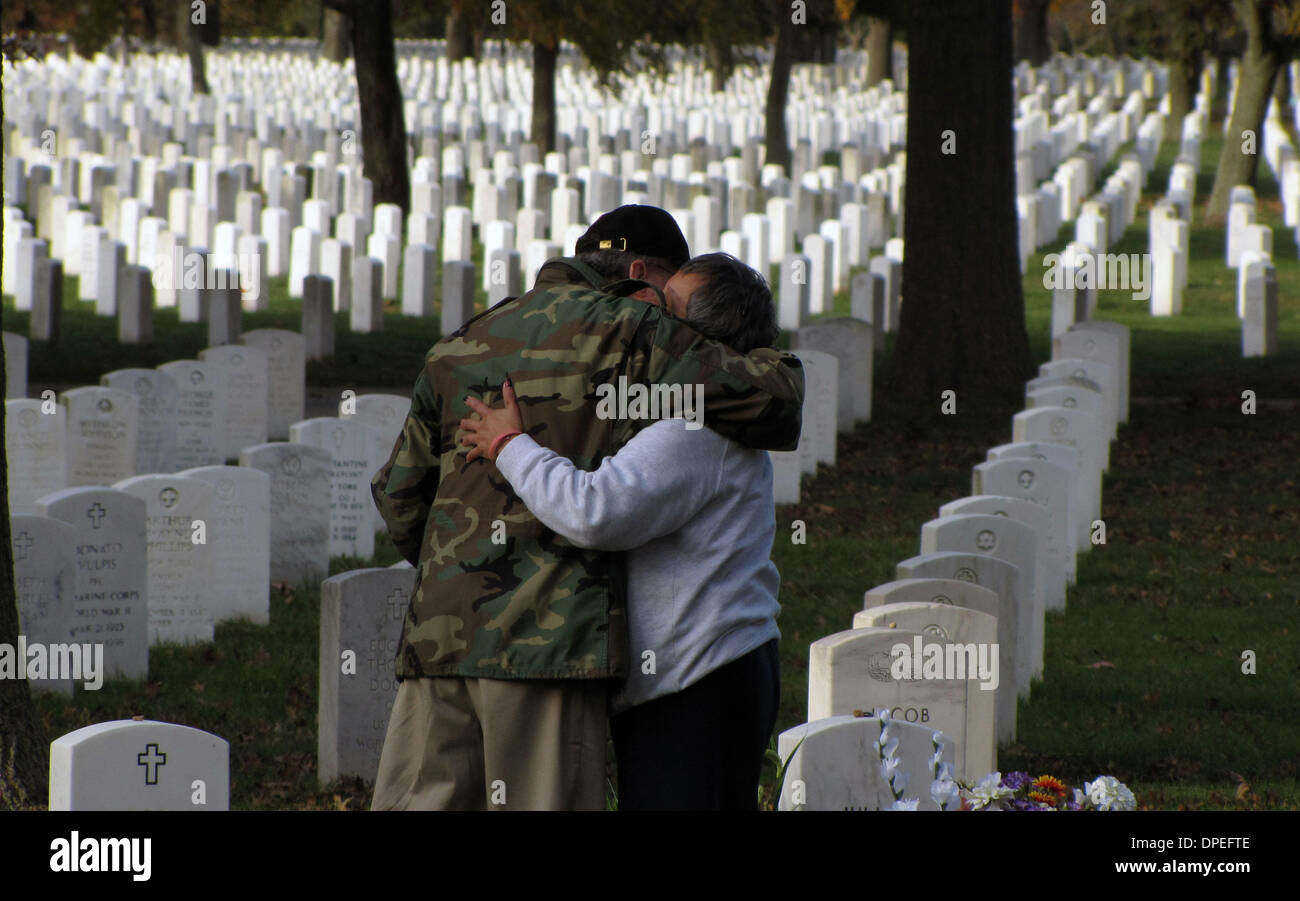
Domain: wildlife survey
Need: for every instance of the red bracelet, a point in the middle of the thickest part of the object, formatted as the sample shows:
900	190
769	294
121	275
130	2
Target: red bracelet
495	447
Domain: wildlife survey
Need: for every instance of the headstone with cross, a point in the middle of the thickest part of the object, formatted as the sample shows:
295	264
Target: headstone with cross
45	579
110	601
361	621
139	765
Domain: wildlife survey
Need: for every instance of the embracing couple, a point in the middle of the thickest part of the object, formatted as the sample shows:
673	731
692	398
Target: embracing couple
579	571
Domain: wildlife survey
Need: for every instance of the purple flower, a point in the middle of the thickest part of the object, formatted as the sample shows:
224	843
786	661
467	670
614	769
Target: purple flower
1016	781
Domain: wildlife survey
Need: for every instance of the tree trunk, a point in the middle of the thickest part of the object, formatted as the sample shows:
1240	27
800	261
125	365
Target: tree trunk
1256	76
542	129
189	33
1032	44
24	753
1184	81
778	89
460	37
722	62
335	41
962	324
210	27
880	50
150	16
383	124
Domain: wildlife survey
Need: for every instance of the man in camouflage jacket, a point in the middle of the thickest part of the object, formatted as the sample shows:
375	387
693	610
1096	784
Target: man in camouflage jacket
513	633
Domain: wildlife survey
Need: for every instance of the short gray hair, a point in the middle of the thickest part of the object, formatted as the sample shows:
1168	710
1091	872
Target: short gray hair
735	304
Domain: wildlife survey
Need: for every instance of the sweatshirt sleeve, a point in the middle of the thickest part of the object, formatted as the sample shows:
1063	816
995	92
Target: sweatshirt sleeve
650	488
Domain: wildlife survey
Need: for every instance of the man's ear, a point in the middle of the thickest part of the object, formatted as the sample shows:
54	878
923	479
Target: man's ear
637	269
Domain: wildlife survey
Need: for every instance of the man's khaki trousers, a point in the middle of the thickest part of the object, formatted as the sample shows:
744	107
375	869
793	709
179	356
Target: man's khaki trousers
494	744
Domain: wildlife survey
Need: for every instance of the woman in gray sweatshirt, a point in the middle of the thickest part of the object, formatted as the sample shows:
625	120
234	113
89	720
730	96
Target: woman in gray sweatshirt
694	512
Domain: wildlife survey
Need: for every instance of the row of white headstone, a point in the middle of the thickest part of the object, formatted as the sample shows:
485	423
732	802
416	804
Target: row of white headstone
164	557
989	568
162	205
1250	252
182	414
353	712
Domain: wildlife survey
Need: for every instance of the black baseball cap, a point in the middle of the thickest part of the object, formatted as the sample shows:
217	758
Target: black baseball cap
639	229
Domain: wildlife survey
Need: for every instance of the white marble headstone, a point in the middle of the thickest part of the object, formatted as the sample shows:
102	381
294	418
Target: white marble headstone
180	569
834	764
300	508
158	396
239	534
139	765
360	625
350	445
102	428
110	602
243	374
45	581
286	377
36	449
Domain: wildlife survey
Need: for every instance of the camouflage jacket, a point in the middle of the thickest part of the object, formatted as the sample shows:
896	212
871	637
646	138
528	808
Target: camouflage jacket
498	594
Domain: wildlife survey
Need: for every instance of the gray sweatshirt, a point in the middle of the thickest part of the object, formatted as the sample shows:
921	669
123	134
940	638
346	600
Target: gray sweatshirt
695	513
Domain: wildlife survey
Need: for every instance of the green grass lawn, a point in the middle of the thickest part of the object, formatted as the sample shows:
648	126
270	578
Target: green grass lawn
1143	673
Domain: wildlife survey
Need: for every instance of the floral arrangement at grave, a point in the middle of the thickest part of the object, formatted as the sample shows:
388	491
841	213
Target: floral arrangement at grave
1014	791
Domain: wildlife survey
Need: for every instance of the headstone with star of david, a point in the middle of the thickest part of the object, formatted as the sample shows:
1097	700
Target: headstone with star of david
139	765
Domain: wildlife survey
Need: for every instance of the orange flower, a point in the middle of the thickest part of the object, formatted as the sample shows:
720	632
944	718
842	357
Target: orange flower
1050	784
